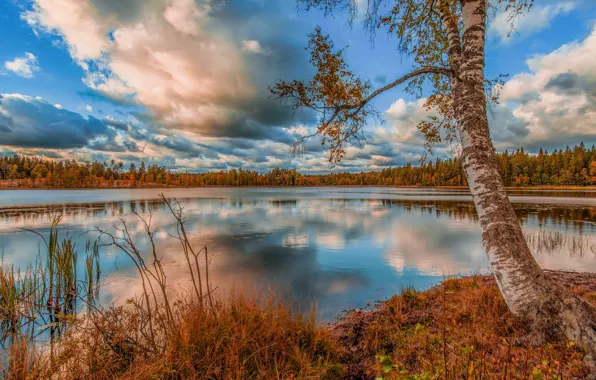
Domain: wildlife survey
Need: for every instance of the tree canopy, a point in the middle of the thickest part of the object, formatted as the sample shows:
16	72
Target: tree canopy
574	166
427	31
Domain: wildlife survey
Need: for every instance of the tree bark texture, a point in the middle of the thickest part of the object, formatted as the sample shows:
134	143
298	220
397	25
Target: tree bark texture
553	313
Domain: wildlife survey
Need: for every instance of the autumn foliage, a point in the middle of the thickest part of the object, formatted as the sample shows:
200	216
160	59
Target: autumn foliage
563	167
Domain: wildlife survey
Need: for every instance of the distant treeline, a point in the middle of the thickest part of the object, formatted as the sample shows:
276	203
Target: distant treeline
565	167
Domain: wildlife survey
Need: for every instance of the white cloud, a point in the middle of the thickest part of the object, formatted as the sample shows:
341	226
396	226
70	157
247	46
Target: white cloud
88	108
185	16
538	18
23	66
403	118
397	109
187	78
556	99
76	21
253	46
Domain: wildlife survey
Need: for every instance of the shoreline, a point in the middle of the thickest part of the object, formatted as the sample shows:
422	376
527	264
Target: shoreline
567	278
523	188
462	321
570	197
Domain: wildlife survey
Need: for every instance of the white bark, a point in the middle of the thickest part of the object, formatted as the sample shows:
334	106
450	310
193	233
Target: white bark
528	293
512	263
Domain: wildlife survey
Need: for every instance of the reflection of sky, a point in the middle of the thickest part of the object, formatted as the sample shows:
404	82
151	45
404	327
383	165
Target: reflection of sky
342	252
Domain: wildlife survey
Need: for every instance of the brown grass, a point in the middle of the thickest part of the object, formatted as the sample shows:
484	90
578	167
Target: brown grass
460	329
159	333
238	338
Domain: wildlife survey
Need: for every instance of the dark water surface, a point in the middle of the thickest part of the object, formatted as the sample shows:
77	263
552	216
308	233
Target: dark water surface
340	247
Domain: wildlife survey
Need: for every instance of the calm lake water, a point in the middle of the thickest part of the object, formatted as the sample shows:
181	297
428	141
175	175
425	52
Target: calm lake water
339	247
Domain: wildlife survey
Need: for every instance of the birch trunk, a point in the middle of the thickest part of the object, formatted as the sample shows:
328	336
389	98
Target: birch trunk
553	313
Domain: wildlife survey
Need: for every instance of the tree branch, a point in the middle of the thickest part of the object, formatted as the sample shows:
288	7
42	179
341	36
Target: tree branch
342	113
397	82
359	106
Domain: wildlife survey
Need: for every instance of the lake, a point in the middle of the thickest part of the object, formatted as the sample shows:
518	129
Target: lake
339	247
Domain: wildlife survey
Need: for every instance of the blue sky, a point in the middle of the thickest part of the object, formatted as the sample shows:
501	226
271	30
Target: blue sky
183	83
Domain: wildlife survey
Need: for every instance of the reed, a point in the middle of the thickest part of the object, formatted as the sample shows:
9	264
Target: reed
556	242
38	303
17	302
159	331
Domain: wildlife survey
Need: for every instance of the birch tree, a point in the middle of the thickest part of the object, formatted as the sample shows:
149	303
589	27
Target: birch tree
446	40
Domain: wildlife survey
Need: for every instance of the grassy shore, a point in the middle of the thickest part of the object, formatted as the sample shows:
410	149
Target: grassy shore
458	329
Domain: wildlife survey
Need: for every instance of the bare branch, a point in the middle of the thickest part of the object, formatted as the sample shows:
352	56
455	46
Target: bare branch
349	115
405	78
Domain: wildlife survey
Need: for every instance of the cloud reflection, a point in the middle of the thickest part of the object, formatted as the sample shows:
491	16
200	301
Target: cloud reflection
341	253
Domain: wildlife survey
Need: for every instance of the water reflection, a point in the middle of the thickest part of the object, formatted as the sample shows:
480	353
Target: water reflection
341	252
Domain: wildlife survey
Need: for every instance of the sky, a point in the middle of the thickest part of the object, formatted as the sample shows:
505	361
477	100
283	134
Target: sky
184	83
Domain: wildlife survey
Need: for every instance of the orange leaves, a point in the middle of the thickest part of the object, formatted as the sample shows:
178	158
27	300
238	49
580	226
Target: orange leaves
334	92
334	83
342	99
459	330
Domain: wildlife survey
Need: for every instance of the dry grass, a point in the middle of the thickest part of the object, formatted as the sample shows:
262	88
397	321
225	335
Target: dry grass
460	329
238	339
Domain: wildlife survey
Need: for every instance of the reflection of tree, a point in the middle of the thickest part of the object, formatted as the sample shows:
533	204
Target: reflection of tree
284	203
527	213
582	217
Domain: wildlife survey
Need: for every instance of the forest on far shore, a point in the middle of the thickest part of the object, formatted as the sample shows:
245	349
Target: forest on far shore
563	167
